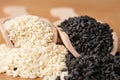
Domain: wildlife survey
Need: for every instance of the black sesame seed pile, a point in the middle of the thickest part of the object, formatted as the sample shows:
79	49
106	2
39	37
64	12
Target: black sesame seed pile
88	36
93	67
93	41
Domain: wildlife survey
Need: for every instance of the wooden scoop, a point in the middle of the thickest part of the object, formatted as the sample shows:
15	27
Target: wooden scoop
8	41
69	12
5	35
65	39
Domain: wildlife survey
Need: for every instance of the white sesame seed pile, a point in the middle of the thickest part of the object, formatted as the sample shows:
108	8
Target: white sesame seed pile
29	29
34	55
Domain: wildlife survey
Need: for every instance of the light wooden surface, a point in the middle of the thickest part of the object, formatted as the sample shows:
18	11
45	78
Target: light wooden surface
103	10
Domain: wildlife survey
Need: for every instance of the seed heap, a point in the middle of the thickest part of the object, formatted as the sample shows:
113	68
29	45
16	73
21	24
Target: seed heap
35	54
93	41
28	29
93	67
88	36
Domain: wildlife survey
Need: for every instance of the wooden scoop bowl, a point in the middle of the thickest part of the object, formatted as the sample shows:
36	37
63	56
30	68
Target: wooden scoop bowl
66	41
8	41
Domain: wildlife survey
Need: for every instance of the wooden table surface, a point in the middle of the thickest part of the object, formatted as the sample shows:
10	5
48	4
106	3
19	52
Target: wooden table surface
103	10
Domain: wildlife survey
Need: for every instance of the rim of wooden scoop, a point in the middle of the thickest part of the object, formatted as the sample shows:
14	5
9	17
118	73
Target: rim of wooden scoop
65	39
8	41
4	33
115	43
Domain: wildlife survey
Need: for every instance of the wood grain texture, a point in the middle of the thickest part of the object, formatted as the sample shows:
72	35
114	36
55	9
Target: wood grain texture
104	10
